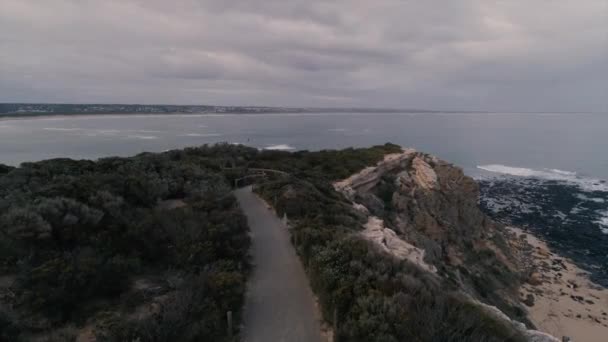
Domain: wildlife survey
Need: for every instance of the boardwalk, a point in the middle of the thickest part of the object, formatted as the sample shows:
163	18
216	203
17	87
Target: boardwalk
279	306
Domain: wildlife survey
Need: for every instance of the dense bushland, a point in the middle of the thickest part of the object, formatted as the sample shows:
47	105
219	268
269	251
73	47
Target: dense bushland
152	248
373	296
326	164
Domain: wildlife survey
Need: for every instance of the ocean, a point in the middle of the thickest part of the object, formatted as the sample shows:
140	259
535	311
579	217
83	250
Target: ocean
544	172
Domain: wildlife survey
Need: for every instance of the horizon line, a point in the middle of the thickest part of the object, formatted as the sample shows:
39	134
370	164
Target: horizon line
309	108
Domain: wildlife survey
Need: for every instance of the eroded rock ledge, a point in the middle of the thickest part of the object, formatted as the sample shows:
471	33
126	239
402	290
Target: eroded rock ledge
424	210
391	243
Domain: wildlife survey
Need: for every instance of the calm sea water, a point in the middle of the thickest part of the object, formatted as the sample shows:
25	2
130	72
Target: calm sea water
568	142
528	164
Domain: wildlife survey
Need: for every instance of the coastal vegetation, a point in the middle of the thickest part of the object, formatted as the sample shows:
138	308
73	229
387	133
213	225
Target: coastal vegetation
148	248
368	295
155	248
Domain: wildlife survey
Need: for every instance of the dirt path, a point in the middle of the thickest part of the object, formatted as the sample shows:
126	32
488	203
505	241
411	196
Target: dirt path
279	305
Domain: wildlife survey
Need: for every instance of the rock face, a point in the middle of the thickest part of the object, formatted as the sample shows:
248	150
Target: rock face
388	241
429	203
532	335
425	210
423	174
369	177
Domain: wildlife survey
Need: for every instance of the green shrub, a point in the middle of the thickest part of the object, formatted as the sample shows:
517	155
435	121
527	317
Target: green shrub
79	232
376	297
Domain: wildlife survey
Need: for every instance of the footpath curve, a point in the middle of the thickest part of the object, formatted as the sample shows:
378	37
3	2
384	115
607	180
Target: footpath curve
279	305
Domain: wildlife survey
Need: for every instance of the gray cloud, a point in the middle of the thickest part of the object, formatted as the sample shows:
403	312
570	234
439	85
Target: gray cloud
532	55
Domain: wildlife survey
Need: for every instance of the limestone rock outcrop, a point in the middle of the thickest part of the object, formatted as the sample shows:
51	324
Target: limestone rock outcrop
424	210
429	203
369	177
391	243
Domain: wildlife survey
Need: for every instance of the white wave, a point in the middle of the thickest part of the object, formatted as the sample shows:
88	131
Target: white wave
142	137
201	135
603	222
97	132
61	129
281	147
586	184
42	118
592	199
338	130
186	115
575	210
521	171
145	131
562	172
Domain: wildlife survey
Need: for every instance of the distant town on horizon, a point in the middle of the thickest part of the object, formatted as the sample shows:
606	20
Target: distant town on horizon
42	109
34	109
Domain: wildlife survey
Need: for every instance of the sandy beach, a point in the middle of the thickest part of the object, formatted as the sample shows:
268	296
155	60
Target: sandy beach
560	298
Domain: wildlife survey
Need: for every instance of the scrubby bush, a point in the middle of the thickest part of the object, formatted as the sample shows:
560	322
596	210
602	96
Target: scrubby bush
5	168
375	297
195	312
78	233
9	327
326	164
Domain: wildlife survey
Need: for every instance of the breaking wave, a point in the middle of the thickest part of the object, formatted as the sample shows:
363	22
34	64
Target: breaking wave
201	135
585	183
568	210
61	129
142	137
281	147
603	222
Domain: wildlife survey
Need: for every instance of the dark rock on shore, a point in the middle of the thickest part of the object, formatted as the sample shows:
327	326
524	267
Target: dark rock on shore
529	301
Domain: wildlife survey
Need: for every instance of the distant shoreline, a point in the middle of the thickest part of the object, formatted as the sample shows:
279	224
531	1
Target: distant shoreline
50	109
35	115
17	116
20	109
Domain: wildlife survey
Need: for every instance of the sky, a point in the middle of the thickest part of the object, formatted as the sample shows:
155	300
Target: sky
496	55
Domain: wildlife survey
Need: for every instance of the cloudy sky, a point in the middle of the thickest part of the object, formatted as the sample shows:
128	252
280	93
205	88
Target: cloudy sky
503	55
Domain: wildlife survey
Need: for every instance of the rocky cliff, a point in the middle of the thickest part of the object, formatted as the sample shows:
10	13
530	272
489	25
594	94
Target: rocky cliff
425	210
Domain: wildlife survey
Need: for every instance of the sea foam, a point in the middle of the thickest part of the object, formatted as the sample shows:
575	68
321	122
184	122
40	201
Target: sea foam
585	183
201	135
61	129
281	147
603	222
142	137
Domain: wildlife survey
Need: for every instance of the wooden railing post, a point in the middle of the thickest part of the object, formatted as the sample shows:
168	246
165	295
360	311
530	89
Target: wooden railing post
336	326
229	323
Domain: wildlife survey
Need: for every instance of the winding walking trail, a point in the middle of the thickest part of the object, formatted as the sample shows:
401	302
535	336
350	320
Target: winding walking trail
279	305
